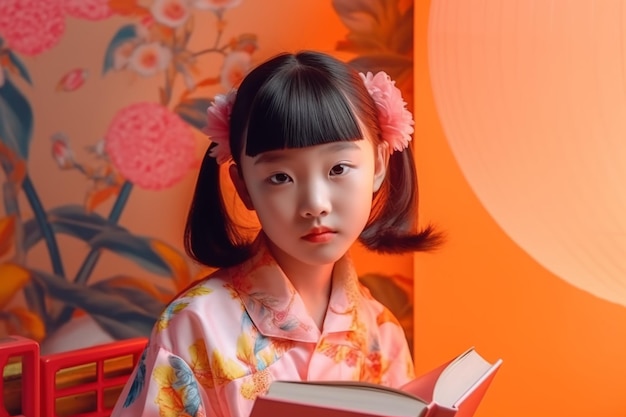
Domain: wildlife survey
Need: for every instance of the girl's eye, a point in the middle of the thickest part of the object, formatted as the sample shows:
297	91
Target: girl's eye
340	169
280	178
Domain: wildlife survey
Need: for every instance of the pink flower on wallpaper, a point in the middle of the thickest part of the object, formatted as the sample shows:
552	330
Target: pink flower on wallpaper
171	13
235	66
122	54
61	151
145	23
88	9
150	58
31	27
215	4
150	145
72	80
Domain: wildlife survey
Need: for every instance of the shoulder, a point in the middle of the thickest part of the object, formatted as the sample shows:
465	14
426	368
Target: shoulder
393	292
374	308
204	292
383	323
386	329
200	311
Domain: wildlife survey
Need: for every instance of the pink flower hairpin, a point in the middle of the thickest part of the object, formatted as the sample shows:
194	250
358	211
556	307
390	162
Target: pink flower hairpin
396	121
218	125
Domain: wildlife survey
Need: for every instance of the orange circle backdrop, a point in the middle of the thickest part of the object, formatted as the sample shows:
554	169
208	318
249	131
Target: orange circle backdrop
532	99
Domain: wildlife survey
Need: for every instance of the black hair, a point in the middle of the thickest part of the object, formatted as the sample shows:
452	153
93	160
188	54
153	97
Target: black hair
294	101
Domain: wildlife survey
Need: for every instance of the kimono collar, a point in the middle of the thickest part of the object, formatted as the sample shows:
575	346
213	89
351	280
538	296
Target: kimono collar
276	308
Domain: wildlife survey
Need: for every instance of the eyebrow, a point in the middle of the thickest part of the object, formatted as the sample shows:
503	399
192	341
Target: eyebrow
277	156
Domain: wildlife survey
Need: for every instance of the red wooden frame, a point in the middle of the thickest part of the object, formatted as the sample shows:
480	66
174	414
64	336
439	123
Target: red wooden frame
42	391
28	350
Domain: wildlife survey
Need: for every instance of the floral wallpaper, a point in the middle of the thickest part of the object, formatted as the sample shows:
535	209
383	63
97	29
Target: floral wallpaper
148	145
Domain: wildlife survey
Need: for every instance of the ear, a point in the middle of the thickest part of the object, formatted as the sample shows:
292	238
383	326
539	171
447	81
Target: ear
240	186
380	164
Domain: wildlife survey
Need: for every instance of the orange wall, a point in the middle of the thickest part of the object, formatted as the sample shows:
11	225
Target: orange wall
563	349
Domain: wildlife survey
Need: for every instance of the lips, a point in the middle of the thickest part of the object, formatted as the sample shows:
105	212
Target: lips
319	235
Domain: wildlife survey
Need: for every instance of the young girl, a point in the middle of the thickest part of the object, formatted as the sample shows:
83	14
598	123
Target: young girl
321	154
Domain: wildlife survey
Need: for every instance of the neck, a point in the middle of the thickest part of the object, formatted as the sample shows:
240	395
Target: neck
314	286
313	283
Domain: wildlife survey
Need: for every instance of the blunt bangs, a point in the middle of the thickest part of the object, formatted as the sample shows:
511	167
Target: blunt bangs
298	108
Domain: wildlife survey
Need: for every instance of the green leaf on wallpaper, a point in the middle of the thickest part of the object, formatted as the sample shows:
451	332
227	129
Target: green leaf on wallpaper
96	230
394	65
126	327
375	25
72	220
124	34
118	315
136	248
364	15
401	40
10	198
148	302
371	22
193	111
19	65
16	119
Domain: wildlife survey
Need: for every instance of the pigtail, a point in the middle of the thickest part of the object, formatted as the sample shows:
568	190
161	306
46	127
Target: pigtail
211	237
392	228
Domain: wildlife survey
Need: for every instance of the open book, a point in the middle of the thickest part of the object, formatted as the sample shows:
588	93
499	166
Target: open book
453	389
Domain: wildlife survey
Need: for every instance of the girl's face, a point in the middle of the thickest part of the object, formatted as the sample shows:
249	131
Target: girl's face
312	202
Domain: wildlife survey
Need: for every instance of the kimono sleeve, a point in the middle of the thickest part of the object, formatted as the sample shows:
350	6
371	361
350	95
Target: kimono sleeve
162	384
400	367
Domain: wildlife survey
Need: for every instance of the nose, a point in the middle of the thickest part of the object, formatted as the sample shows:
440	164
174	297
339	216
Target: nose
315	200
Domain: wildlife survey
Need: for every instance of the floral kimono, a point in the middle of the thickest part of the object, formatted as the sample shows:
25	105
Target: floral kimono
220	344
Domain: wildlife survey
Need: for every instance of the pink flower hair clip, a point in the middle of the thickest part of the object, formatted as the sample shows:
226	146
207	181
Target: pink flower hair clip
396	121
218	125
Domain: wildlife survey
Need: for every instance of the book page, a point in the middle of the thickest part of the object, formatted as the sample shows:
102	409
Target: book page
460	376
363	397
